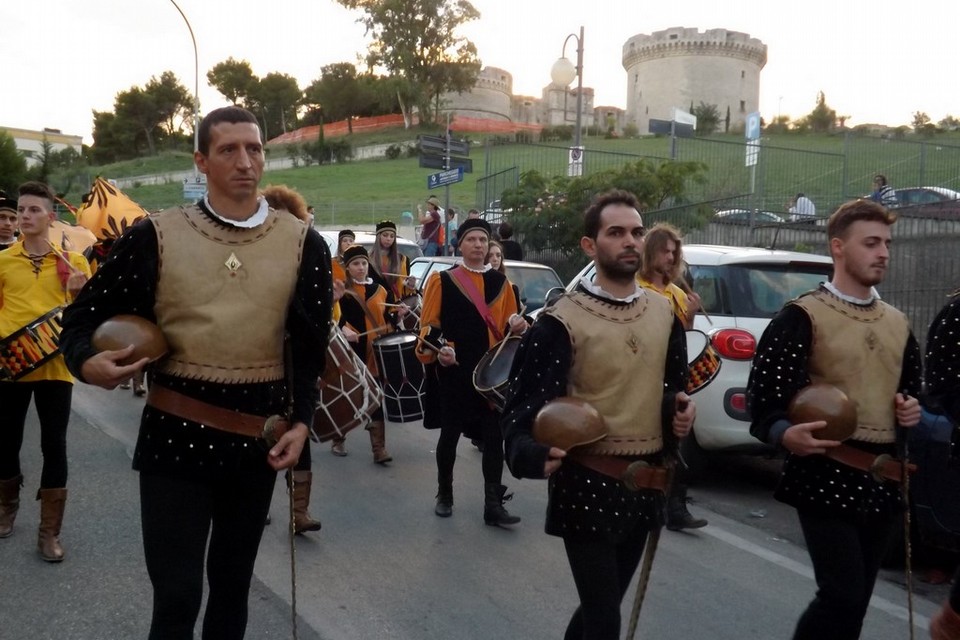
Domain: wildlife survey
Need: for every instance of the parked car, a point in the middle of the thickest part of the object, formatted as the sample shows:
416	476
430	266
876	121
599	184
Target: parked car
747	216
532	278
741	289
366	240
938	202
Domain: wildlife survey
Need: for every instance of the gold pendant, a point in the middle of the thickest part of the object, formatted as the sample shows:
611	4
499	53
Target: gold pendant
633	343
233	263
872	340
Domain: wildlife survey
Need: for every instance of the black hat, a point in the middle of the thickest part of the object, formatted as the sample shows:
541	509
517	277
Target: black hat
345	233
7	203
386	225
472	224
354	252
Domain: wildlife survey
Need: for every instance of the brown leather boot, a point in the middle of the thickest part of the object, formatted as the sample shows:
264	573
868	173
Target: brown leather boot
378	442
302	520
52	503
945	625
9	504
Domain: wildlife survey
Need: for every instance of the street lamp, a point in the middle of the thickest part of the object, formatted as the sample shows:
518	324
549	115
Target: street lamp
196	88
563	72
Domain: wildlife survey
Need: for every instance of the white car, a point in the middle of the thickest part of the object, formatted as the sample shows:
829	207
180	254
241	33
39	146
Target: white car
741	289
366	240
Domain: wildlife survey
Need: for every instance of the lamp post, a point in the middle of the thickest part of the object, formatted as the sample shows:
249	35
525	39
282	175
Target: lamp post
196	88
562	73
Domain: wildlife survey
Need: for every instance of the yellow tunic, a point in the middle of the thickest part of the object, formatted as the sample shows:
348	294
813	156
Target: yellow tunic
673	293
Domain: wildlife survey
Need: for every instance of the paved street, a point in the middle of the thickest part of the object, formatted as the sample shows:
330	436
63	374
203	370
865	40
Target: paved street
385	567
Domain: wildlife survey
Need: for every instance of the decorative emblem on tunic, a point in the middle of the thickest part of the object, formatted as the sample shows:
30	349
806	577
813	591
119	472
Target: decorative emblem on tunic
233	263
871	340
633	343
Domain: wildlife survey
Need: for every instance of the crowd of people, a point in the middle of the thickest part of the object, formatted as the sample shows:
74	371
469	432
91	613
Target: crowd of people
596	400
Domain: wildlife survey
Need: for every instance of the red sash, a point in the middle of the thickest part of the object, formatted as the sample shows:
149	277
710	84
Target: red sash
473	293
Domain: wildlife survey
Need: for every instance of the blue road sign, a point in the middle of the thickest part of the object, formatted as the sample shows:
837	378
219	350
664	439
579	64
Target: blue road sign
751	127
444	178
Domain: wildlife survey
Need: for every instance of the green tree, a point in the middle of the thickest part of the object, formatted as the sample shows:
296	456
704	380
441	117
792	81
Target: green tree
234	79
417	41
173	102
340	92
708	118
822	118
275	99
13	166
949	123
548	212
922	124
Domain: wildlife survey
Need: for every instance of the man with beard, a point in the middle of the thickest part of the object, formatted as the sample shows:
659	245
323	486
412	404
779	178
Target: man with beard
662	262
848	501
630	365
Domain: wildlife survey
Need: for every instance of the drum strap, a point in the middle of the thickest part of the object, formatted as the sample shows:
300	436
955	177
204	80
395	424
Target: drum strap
363	305
474	294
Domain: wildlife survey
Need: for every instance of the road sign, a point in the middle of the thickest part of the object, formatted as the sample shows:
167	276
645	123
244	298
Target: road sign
575	162
751	127
442	179
431	161
753	152
194	189
436	144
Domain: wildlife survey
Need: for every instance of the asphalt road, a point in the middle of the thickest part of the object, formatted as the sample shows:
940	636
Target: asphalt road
385	567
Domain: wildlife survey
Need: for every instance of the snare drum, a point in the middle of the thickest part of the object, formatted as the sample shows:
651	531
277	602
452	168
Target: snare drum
349	394
411	321
28	348
703	361
402	375
492	374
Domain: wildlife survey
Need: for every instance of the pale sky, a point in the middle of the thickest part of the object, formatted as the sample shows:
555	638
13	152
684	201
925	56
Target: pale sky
876	60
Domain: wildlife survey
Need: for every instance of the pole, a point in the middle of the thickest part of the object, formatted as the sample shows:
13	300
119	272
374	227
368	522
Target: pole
446	166
196	89
576	134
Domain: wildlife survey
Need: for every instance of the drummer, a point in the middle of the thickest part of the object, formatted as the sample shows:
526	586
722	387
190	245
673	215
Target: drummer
366	314
388	266
36	277
659	270
345	238
8	221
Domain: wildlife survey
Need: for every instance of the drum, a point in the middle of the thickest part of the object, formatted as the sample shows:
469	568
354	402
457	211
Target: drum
411	321
492	374
29	347
349	394
703	361
402	374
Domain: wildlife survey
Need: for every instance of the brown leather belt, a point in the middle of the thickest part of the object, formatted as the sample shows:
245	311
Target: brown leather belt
245	424
634	474
882	467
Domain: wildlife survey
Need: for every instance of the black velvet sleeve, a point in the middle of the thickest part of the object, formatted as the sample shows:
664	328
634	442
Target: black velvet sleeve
308	324
674	379
125	283
779	372
943	362
539	375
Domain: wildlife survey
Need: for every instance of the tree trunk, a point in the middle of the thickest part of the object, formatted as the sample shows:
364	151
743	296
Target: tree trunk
404	112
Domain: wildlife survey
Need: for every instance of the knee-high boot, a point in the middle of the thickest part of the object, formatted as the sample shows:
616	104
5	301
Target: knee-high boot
52	503
494	512
378	442
945	625
9	504
302	520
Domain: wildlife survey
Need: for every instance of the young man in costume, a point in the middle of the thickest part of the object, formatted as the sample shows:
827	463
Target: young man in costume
222	282
842	335
467	310
619	348
8	221
37	280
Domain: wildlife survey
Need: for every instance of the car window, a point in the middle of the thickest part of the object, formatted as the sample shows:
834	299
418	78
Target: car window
766	288
418	269
533	284
706	284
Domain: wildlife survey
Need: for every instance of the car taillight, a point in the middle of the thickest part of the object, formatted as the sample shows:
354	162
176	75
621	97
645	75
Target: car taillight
735	344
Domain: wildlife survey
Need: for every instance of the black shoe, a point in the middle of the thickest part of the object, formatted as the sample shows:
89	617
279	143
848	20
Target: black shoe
477	443
444	507
494	513
679	518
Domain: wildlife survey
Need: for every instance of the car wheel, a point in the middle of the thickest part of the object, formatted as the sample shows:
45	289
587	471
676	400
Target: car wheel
697	459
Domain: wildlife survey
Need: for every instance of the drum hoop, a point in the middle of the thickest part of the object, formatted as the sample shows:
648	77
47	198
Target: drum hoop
30	329
483	362
397	338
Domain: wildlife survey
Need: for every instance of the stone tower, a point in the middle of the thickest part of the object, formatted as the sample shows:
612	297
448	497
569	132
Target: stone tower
678	66
489	98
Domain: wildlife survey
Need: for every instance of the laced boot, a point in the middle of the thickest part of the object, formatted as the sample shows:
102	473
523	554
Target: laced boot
444	507
378	442
52	503
494	513
945	625
677	515
302	520
9	504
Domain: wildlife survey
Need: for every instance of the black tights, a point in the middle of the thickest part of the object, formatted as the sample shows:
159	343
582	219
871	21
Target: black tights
846	558
602	571
52	400
177	517
492	462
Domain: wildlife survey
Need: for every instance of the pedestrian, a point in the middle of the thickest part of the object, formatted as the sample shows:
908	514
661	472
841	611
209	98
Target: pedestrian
8	221
801	208
843	335
660	270
630	365
430	230
366	313
235	277
450	231
467	310
943	397
883	192
511	248
37	280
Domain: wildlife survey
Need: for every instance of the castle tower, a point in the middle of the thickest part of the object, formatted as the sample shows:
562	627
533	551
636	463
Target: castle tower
489	98
678	66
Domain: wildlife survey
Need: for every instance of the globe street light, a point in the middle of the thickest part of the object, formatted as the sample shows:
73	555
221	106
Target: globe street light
196	88
563	72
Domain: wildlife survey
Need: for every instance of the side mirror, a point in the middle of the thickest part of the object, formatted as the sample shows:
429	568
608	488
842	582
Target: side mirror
553	295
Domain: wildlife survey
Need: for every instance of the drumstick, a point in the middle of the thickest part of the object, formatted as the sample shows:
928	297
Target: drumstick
63	257
499	349
686	289
374	330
